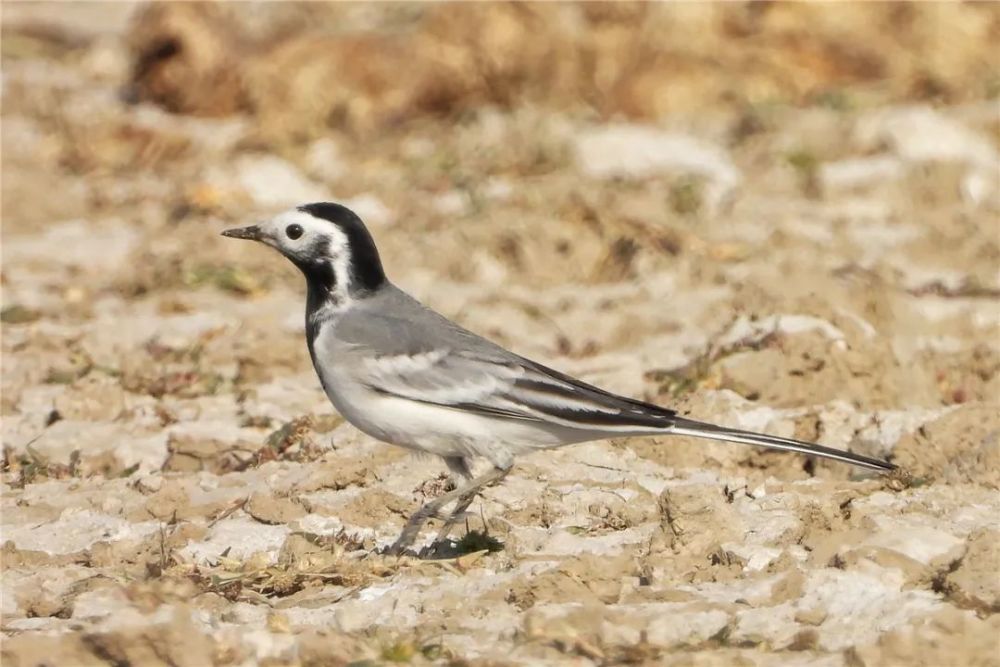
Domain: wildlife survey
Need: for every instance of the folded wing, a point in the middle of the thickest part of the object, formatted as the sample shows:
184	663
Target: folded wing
509	387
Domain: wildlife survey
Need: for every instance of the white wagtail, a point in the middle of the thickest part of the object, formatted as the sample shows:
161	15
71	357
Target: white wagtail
406	375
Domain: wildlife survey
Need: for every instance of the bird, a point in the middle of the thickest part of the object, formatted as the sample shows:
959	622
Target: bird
407	375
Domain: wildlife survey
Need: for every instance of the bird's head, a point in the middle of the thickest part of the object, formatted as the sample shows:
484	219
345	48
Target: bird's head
328	243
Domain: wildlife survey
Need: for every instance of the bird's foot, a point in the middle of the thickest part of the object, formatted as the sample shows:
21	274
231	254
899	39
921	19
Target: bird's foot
432	550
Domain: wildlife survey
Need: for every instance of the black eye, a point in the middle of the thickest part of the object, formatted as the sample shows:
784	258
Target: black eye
293	231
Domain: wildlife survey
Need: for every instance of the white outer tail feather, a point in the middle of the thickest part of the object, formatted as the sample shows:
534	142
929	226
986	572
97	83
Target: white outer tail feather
698	429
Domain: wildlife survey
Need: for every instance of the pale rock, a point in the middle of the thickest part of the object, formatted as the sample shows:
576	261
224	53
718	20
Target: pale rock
389	605
859	173
245	613
285	398
81	245
770	518
881	499
613	633
861	605
33	409
101	603
921	543
243	537
915	277
370	209
866	328
149	452
92	398
83	21
564	543
23	136
43	624
268	647
221	431
490	270
417	148
149	483
771	625
679	626
106	59
317	524
208	481
757	557
112	505
499	189
920	134
90	438
272	182
979	184
968	519
318	615
731	409
374	592
452	202
175	331
8	602
843	424
75	530
46	587
745	329
939	344
324	160
641	151
975	580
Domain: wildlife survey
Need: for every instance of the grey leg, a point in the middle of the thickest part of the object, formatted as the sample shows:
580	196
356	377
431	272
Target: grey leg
463	495
459	468
456	514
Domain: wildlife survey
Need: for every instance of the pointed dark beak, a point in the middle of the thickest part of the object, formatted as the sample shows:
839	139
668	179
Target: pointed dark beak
251	233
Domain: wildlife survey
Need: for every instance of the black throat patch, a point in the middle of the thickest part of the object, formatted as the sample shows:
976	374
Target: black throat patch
316	265
365	264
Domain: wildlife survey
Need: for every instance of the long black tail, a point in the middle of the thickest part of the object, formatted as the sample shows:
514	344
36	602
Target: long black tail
682	426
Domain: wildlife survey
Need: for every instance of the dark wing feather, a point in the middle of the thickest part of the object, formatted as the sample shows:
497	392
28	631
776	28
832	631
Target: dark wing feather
512	388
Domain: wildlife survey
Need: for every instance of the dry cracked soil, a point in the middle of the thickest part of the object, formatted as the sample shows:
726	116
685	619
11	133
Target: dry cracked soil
178	491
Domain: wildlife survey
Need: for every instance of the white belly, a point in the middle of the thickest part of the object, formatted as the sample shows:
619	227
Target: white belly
434	429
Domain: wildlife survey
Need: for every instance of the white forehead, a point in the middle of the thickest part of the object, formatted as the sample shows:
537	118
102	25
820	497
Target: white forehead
311	226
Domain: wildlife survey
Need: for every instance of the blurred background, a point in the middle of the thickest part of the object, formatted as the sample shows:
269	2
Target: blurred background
787	156
733	208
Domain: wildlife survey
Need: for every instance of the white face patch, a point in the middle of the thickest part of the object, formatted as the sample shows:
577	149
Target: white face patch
304	238
281	231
